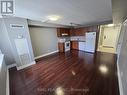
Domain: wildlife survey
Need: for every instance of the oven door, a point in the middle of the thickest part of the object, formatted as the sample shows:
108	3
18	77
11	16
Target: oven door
67	45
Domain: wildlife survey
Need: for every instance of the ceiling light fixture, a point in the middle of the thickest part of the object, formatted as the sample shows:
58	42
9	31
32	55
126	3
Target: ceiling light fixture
53	17
110	25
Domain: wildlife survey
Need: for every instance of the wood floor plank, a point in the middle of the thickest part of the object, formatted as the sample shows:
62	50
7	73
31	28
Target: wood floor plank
71	73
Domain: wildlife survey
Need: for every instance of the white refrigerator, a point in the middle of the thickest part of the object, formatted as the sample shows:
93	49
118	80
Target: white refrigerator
90	42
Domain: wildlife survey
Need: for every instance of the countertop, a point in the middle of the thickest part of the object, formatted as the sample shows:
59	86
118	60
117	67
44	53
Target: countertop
72	41
78	40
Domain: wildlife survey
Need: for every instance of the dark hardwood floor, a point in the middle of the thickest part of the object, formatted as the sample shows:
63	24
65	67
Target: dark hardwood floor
72	73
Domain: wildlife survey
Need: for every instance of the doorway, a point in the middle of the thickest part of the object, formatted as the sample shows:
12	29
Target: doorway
108	38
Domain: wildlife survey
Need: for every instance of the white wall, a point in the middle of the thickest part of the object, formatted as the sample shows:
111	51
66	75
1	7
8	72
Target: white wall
5	44
8	36
44	40
3	71
122	60
15	32
100	36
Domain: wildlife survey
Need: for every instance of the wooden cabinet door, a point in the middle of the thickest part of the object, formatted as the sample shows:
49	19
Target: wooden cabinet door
93	28
58	32
84	30
74	45
77	32
61	47
72	32
67	31
80	31
63	32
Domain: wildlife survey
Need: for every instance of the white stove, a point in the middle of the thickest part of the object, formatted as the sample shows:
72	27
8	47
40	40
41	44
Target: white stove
67	45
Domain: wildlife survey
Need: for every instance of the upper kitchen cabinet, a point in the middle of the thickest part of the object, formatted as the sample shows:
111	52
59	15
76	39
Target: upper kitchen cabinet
72	32
93	28
78	31
62	32
81	31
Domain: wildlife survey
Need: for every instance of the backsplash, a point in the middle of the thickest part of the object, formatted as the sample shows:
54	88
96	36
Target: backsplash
76	38
81	38
63	39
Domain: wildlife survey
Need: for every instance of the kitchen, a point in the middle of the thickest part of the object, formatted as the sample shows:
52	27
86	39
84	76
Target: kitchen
83	38
67	46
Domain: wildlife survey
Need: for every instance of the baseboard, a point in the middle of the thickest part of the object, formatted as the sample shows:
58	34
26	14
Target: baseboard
7	83
119	79
46	54
7	74
27	65
11	66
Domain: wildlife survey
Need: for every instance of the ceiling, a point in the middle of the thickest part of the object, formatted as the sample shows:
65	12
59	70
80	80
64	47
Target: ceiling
119	9
76	11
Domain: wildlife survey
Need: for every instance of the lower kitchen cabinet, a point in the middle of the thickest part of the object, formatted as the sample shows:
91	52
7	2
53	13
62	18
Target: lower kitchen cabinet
74	45
82	46
61	47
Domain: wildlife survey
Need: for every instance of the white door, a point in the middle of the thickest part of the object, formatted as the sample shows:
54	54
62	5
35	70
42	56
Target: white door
110	37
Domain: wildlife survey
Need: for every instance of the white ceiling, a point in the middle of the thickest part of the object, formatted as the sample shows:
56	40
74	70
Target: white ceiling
76	11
